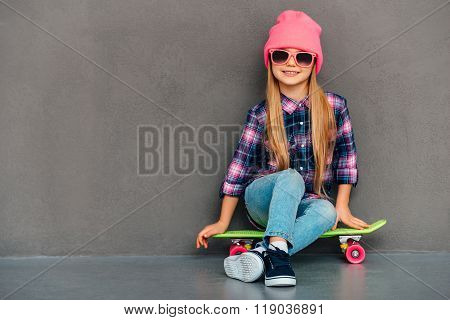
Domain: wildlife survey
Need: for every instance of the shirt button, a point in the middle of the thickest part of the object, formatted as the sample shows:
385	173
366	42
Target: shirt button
301	168
302	145
301	123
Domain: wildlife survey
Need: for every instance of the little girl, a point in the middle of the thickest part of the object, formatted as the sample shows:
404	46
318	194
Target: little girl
293	146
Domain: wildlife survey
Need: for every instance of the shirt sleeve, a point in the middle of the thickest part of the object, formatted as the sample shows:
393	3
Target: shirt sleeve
345	169
244	162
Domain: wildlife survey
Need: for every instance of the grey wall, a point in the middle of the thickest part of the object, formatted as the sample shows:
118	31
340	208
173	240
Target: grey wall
77	78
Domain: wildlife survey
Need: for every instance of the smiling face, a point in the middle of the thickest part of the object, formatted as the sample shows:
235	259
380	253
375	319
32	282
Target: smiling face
290	74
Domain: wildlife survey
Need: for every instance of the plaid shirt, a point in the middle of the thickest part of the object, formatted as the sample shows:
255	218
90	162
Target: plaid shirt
251	162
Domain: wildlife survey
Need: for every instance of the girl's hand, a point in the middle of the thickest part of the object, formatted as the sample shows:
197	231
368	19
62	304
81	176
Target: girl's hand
344	214
208	231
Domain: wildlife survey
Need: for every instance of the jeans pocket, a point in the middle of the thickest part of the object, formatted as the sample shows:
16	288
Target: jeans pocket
246	193
250	214
256	224
245	197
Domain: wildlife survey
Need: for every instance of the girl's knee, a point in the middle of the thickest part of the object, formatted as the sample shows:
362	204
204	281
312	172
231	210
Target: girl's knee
293	178
327	211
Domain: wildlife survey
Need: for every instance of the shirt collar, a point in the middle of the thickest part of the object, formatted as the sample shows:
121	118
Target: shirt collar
289	105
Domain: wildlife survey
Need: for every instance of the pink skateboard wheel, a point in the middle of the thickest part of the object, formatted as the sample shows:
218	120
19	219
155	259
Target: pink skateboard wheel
237	249
355	253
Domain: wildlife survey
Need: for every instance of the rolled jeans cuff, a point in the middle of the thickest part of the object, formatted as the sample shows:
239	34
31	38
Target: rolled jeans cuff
281	234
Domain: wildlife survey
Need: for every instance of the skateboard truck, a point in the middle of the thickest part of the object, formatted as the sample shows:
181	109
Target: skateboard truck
344	239
239	246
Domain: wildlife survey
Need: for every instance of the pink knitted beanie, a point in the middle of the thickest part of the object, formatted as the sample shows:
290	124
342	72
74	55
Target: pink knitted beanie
295	29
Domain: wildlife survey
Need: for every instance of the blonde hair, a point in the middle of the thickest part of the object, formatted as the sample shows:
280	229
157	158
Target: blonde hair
322	126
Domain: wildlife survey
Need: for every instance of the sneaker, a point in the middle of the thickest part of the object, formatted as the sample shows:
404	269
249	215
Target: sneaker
247	266
278	268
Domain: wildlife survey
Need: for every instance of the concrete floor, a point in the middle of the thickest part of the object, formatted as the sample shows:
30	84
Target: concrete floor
319	276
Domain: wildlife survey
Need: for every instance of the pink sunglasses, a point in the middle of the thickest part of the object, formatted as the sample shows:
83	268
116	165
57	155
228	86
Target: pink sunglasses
302	58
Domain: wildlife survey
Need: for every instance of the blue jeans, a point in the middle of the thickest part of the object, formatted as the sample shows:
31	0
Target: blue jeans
275	202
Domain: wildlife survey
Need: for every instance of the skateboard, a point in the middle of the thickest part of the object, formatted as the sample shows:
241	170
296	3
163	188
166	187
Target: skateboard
244	240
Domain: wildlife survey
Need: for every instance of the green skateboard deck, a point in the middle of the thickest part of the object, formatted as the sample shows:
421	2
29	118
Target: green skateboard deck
348	237
254	234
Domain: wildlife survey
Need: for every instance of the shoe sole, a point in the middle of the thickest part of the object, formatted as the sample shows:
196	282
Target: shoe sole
247	267
280	281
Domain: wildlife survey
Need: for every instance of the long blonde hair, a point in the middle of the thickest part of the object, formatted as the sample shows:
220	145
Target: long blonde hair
322	125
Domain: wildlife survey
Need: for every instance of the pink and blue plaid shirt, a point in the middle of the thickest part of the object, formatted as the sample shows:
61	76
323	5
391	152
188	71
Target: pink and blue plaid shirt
251	161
